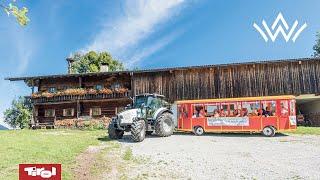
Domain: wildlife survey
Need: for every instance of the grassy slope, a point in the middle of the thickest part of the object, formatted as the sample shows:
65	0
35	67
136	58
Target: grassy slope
43	146
307	130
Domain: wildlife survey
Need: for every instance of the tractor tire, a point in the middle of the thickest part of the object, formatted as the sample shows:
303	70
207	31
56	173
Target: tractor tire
114	133
164	125
138	130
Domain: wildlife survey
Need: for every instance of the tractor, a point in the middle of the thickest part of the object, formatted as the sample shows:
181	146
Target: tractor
148	113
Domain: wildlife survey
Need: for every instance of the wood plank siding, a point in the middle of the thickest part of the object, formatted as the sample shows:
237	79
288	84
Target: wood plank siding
242	80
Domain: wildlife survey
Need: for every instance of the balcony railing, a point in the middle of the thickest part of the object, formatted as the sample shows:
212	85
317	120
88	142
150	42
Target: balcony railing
62	98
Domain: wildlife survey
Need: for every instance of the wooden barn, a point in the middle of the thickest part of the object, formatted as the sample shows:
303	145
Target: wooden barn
56	97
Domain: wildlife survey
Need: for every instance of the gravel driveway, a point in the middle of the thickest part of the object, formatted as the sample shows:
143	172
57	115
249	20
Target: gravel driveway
228	156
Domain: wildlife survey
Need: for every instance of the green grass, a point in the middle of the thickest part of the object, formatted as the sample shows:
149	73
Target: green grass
306	130
127	154
43	146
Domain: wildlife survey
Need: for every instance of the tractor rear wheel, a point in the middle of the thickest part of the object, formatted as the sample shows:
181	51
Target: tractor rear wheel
138	130
164	125
114	133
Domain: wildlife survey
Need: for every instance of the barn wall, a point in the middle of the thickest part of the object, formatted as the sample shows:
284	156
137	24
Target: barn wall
256	79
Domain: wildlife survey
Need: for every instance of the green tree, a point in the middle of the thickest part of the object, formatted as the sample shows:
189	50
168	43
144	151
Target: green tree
91	62
316	47
12	9
19	114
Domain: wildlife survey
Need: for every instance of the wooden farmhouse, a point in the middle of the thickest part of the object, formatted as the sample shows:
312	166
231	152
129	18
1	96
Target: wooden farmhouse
65	96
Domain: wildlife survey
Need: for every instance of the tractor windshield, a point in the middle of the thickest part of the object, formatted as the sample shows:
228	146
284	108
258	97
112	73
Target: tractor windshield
139	100
149	101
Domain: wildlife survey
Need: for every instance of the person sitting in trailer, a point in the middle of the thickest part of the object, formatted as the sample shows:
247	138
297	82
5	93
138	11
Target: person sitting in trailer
237	113
223	113
202	113
255	112
245	112
231	113
216	113
268	111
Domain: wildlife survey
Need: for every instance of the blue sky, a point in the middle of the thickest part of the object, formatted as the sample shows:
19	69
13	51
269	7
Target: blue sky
147	34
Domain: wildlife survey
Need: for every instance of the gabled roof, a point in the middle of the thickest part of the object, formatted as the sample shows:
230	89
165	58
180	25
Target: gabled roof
26	78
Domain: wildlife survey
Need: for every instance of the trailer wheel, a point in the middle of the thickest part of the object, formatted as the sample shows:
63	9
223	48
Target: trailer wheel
269	131
164	125
138	130
114	133
198	131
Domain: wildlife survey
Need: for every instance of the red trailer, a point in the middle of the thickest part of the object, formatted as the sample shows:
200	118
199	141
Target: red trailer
267	115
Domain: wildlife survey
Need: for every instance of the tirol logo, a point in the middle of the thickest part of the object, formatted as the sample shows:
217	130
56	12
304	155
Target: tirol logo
277	28
39	171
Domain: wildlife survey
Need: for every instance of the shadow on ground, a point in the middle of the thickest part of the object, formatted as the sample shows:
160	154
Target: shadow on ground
126	138
104	139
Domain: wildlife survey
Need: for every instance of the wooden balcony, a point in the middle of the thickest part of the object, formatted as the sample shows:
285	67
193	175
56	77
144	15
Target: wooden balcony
64	98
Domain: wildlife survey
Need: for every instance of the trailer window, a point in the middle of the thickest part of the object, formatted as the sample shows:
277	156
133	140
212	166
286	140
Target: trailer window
292	108
183	111
269	108
250	108
198	111
212	110
284	108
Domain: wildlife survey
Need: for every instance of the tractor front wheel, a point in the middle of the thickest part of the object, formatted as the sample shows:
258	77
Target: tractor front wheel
114	133
138	130
164	125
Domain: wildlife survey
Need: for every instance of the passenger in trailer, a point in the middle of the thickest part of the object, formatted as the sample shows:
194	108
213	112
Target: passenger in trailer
237	113
223	113
244	112
216	113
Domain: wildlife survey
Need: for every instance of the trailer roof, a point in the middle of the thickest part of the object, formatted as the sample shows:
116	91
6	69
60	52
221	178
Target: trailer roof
261	98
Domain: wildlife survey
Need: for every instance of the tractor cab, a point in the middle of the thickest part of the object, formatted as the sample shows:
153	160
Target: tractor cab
149	103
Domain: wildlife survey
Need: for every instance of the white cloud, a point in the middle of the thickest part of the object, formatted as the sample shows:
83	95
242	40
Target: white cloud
149	50
141	18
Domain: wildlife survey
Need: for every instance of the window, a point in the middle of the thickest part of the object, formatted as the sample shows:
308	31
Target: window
96	111
212	109
251	108
115	85
49	113
154	103
292	108
68	112
52	90
269	108
284	108
99	87
183	111
198	111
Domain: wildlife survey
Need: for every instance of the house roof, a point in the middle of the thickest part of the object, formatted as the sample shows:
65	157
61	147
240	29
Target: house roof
26	78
